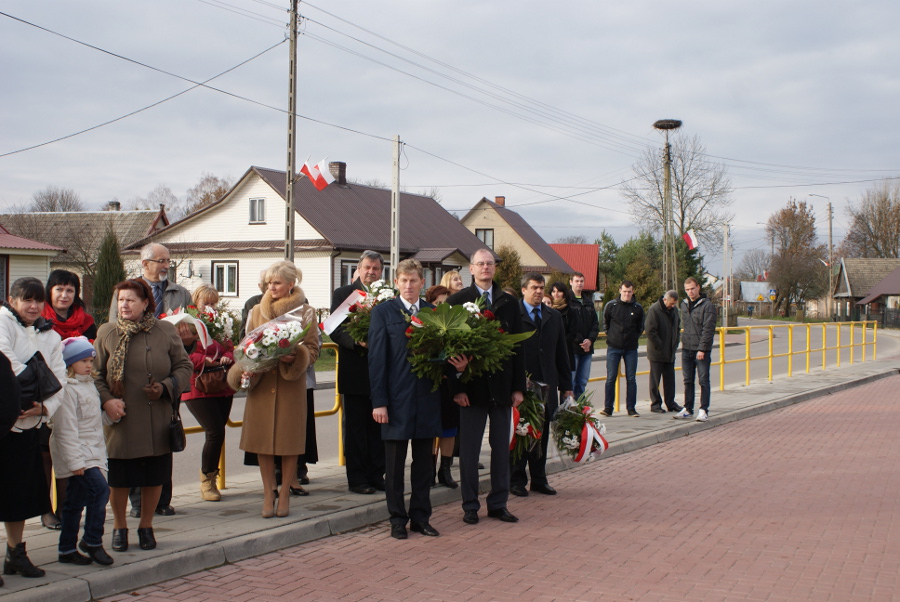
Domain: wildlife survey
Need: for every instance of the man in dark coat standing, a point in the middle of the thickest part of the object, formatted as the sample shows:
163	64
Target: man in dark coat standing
547	361
663	328
490	396
363	450
698	315
405	406
623	321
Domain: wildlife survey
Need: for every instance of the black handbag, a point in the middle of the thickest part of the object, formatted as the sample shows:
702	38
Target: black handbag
37	382
177	438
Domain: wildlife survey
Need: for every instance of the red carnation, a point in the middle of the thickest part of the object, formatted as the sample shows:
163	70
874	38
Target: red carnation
353	308
284	343
409	332
488	314
501	331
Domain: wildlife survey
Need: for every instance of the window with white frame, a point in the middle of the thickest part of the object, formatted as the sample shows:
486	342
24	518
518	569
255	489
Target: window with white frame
257	211
485	235
225	278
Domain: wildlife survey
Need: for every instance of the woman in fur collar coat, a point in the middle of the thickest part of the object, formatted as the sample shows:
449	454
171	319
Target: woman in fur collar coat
275	411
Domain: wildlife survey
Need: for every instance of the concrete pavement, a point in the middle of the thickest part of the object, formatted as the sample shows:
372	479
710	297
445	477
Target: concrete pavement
205	535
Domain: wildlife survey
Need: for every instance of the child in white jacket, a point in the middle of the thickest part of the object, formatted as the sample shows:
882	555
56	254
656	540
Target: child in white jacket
78	449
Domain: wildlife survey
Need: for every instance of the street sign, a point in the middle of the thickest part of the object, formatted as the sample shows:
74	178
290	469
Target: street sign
760	298
772	292
771	297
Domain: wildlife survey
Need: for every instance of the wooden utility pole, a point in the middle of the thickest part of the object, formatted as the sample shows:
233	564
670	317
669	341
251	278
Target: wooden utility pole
395	207
291	140
670	275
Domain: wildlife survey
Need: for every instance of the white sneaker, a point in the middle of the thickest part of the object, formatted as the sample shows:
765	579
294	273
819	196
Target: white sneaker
684	413
702	416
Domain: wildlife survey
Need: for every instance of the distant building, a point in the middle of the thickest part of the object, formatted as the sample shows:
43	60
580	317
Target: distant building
20	257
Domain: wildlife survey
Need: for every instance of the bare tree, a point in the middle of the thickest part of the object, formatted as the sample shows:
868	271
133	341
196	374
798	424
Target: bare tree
161	195
575	239
798	271
208	190
701	191
54	199
875	223
754	263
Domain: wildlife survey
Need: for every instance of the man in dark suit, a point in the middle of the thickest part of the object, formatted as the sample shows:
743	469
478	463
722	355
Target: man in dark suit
547	361
405	406
363	449
490	396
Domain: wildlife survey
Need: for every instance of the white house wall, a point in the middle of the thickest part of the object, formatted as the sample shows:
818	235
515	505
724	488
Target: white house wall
36	266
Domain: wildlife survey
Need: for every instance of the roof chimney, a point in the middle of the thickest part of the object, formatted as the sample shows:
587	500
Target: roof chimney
114	206
500	200
338	170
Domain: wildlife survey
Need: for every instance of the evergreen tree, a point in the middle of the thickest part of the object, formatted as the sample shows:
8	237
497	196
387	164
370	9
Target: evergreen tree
110	272
606	262
509	270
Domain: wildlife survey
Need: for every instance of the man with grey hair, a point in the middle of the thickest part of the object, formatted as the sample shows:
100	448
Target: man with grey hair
663	330
363	448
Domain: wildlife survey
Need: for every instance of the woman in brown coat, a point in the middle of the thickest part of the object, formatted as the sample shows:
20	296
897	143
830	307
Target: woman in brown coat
275	410
142	368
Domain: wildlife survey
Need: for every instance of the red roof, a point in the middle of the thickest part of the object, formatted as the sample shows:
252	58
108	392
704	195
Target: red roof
582	258
11	241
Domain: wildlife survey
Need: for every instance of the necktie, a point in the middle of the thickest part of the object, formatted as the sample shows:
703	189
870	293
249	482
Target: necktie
158	298
413	309
537	318
486	300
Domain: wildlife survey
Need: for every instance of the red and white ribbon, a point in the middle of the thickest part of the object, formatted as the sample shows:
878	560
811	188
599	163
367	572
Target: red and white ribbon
514	422
590	435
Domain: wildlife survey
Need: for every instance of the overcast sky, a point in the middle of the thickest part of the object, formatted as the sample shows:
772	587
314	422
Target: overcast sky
530	100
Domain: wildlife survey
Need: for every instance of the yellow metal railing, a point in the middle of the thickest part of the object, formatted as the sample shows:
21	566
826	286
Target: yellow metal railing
858	330
337	408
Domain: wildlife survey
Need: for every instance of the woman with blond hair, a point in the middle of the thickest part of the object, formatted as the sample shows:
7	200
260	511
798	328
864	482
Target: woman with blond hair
453	281
275	413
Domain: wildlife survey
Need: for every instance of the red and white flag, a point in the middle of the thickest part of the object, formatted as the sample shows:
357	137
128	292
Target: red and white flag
319	175
691	239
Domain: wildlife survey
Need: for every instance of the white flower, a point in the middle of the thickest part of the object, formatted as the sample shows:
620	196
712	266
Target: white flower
573	442
269	340
385	294
268	332
522	429
252	351
472	308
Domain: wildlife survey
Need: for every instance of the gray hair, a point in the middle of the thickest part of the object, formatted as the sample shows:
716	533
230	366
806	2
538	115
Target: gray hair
149	250
372	256
672	295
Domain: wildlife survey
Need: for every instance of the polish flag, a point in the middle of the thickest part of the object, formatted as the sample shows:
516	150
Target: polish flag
319	174
691	239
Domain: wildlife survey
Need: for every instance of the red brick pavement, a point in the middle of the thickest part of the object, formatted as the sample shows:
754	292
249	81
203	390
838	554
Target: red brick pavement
797	504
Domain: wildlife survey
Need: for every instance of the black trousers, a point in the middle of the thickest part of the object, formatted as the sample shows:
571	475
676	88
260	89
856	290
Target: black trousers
472	420
666	370
363	448
165	498
421	476
536	458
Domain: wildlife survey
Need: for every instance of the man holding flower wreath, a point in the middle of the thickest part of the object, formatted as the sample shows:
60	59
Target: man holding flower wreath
489	396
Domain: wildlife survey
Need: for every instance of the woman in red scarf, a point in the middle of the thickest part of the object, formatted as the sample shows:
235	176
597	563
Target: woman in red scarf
65	309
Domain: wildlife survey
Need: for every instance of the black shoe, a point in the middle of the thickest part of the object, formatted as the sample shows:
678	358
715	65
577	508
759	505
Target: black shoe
633	414
377	485
398	532
605	413
298	491
470	517
146	539
165	510
135	511
74	558
97	553
504	515
120	540
365	489
17	562
518	490
657	410
51	521
480	466
676	409
424	529
543	488
304	480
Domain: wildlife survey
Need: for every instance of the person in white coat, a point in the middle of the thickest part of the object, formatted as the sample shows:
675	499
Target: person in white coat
78	447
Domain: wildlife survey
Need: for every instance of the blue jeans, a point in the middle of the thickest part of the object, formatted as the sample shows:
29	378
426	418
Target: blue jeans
689	365
581	372
613	356
90	492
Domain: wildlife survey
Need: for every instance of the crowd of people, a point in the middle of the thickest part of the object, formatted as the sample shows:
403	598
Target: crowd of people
94	405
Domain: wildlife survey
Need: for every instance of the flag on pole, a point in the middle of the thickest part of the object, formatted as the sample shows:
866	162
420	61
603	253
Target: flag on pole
319	174
691	239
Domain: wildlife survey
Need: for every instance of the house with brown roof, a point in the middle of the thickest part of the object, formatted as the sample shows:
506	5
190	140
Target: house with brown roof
228	242
495	225
856	278
583	258
20	257
82	232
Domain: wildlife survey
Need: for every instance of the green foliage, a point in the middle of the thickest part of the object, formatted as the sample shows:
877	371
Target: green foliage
109	272
509	270
606	261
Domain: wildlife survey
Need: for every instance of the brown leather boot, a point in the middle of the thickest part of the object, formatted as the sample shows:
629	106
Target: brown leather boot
209	489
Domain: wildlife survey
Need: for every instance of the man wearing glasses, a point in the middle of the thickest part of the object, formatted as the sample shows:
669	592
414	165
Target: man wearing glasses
490	396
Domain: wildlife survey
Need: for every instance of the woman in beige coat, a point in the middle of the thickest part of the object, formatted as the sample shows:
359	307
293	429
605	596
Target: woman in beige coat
275	410
142	368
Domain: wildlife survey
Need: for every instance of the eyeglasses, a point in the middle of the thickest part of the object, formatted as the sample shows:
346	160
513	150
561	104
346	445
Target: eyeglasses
159	261
484	264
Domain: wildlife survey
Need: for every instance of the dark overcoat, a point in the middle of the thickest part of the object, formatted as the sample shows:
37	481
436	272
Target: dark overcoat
546	356
353	358
663	332
414	410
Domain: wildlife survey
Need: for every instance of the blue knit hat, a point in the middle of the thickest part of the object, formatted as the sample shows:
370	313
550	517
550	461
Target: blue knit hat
75	349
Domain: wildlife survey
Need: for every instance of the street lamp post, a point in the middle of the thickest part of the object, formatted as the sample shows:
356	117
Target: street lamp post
830	298
669	265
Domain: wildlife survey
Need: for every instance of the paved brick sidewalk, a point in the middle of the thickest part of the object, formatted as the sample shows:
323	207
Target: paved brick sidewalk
796	504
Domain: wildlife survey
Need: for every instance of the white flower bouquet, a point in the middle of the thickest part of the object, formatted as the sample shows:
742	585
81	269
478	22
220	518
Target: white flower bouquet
264	346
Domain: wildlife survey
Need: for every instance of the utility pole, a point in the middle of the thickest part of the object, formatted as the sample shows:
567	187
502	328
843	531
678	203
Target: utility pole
670	274
829	300
726	297
291	141
395	207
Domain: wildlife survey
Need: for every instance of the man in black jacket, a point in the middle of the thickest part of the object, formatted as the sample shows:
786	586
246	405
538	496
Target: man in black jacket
363	448
663	335
547	361
488	396
590	329
623	321
698	315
